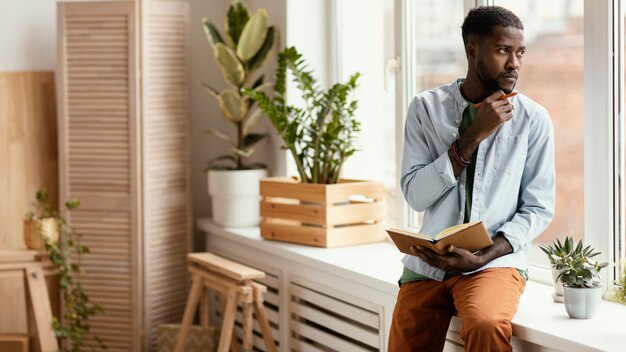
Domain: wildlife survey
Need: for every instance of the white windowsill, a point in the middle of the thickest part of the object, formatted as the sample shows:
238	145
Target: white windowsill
538	320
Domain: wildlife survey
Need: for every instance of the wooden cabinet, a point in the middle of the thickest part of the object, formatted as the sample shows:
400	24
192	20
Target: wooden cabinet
123	150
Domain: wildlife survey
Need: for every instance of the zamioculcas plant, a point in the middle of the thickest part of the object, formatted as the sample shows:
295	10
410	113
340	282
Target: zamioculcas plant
242	50
321	135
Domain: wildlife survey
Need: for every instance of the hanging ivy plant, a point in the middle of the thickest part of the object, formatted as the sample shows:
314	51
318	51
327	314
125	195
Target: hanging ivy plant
73	330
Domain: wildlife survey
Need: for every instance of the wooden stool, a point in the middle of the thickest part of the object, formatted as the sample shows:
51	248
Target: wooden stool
234	283
24	264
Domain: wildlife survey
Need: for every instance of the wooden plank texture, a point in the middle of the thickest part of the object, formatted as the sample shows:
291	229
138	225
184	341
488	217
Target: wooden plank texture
98	159
322	237
28	148
166	196
346	213
225	267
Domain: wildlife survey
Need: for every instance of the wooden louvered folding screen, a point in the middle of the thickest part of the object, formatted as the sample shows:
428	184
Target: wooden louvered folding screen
123	153
166	196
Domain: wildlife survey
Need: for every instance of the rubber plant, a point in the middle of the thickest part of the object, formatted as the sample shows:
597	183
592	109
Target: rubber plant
73	330
320	135
240	52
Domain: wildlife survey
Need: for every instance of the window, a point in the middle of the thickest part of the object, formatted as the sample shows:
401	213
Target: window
552	75
584	100
620	145
435	52
365	43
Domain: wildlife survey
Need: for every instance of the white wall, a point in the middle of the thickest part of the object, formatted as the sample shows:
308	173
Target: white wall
28	35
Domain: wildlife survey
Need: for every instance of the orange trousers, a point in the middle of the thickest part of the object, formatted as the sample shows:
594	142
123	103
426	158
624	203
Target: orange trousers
485	301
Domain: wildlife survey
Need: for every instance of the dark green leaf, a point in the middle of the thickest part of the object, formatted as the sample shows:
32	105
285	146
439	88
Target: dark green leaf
259	58
253	138
213	36
236	20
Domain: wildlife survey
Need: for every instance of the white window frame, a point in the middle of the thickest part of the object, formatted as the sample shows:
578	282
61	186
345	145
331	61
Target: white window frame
599	79
619	157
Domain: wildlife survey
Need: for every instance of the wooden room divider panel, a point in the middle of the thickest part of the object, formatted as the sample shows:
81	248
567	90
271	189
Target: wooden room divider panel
165	162
123	152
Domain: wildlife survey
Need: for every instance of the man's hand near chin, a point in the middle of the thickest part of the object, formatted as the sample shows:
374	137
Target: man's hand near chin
459	259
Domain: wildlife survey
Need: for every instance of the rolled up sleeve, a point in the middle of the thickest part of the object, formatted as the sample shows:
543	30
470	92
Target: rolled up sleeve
424	178
538	187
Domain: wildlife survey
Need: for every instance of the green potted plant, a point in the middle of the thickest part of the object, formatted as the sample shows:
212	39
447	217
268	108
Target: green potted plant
619	290
580	275
73	328
316	208
233	182
320	135
556	253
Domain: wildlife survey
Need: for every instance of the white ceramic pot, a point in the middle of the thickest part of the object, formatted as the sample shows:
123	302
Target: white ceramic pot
557	296
582	303
235	197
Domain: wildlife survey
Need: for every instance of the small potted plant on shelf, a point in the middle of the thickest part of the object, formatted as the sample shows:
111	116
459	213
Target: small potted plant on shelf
41	225
556	253
233	182
618	293
317	208
65	251
580	275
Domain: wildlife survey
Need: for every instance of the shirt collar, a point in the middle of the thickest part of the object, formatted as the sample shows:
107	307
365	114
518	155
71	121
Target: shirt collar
456	92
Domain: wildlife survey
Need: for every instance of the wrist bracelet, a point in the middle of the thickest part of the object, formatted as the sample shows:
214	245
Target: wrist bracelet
458	155
455	156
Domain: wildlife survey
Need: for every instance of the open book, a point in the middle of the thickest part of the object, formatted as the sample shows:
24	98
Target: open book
471	236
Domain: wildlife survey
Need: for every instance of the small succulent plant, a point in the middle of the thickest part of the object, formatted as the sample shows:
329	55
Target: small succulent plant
575	264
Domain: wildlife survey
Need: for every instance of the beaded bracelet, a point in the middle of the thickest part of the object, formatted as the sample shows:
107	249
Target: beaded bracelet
459	157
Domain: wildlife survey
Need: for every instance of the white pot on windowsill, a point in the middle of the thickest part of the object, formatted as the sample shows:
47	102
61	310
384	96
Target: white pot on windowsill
582	303
235	197
557	296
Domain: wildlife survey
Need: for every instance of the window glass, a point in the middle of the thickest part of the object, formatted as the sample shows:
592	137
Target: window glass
366	44
436	52
552	75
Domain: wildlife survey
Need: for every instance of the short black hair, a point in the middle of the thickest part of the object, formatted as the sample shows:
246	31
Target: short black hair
481	21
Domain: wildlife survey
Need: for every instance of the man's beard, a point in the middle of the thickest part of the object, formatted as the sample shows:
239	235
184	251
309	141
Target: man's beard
490	82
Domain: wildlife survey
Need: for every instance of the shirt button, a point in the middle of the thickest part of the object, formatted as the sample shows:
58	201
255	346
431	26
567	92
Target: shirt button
461	185
454	135
478	174
457	121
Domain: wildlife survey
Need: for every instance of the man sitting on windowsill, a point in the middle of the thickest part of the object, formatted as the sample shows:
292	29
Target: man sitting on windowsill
461	163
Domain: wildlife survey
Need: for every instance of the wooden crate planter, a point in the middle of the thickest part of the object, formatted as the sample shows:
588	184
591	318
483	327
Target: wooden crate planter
322	215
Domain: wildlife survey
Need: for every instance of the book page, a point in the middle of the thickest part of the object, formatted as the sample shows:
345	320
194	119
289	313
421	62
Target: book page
454	229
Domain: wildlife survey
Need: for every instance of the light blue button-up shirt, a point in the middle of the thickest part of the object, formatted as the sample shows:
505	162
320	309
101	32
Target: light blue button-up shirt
514	181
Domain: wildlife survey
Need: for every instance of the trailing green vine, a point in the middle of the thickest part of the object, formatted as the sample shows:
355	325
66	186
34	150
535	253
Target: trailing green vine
73	330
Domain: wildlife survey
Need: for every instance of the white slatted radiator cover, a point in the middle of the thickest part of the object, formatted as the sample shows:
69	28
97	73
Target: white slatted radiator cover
321	321
271	302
